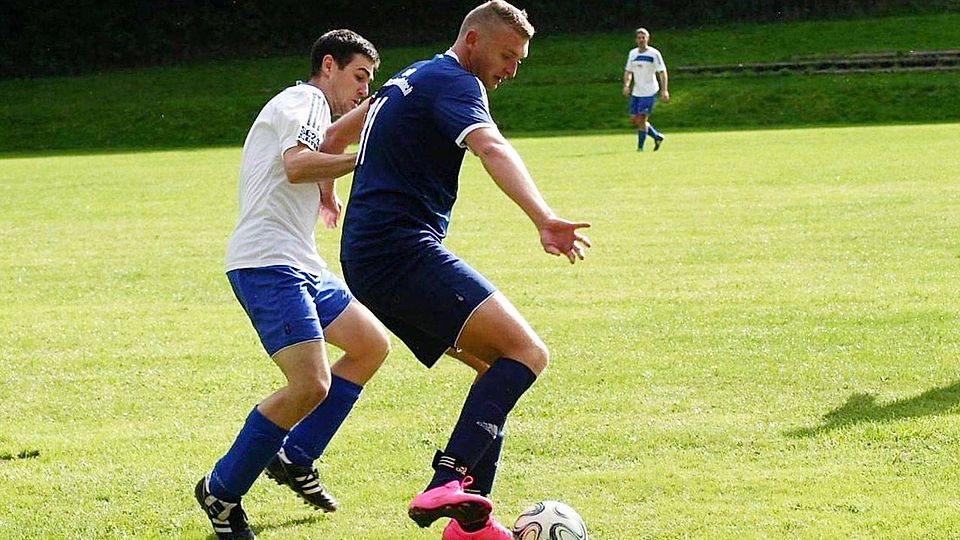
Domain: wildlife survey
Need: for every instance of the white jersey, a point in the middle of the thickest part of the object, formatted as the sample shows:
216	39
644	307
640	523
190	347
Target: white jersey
278	218
644	66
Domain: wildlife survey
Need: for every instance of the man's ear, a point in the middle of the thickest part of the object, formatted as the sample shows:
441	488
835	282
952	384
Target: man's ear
327	64
471	37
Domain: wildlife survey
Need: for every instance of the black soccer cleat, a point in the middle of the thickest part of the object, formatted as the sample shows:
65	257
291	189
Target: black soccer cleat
304	481
228	519
657	143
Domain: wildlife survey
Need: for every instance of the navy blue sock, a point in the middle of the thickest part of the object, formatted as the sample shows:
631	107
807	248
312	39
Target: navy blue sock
310	437
486	470
641	136
256	444
484	413
652	131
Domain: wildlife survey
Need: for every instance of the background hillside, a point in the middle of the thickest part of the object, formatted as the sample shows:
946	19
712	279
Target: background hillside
569	84
69	38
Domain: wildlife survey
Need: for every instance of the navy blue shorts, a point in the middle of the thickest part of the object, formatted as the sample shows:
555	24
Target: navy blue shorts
288	306
424	296
642	104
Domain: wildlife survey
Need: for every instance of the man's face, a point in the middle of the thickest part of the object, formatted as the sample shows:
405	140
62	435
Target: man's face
642	39
350	85
496	53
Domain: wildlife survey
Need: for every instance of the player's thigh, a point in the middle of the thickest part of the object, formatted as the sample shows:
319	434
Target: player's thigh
424	299
358	333
279	302
496	329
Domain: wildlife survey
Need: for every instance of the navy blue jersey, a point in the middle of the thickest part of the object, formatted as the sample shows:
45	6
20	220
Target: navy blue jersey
408	163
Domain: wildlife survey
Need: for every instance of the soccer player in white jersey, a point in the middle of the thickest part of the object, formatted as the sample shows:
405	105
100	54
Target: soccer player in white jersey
647	71
294	302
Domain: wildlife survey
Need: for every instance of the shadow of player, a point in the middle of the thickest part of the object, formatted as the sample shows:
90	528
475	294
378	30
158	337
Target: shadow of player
863	407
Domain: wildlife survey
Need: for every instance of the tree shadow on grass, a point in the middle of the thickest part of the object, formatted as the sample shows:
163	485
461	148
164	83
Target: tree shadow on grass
862	407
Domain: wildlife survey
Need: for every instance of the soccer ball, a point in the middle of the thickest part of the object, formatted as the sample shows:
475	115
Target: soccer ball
550	520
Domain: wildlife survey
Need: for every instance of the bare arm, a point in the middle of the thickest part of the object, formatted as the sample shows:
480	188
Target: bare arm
504	165
507	169
306	166
337	137
627	79
345	130
664	91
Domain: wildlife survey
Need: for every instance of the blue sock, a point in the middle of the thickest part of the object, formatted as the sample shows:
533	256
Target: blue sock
310	437
484	413
652	131
486	469
641	136
256	444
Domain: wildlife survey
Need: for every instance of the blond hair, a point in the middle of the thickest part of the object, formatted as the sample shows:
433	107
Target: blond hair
498	11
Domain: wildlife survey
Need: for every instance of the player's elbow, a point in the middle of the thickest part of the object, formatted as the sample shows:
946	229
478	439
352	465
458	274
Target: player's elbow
293	166
492	150
334	142
295	175
296	170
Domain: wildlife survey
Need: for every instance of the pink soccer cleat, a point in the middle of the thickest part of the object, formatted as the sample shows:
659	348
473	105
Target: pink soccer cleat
449	500
491	531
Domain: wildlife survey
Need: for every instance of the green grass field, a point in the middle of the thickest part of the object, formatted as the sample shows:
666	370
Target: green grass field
763	343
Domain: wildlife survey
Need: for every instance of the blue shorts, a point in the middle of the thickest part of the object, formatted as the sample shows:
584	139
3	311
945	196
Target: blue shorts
423	296
642	104
288	306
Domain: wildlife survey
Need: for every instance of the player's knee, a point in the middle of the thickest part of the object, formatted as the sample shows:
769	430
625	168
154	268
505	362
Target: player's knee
372	344
543	359
381	347
375	349
310	392
535	356
317	393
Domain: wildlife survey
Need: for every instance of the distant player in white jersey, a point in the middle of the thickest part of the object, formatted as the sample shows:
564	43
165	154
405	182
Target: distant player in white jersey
647	71
294	302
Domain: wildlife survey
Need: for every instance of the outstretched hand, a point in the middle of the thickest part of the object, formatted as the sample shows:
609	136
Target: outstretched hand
560	237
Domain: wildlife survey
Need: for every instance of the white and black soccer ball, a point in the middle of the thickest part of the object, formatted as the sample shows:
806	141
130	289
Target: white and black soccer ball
550	520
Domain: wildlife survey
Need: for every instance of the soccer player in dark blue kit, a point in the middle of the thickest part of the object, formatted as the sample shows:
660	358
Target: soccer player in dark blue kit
408	163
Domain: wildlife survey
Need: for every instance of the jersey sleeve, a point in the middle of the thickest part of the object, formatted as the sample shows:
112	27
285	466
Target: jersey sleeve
629	58
461	107
301	120
660	65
